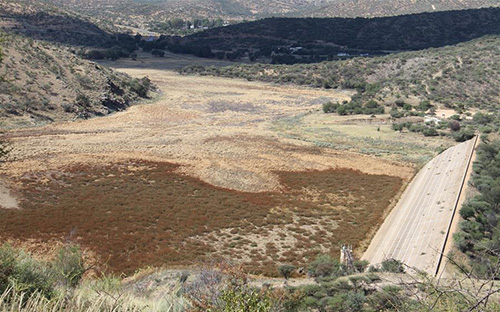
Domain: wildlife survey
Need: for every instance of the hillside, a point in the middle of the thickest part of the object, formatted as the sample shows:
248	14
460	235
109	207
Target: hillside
144	11
327	37
38	20
40	83
464	75
377	8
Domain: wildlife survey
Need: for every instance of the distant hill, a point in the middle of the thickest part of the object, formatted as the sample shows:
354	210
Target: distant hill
460	76
313	39
40	83
378	8
39	20
141	12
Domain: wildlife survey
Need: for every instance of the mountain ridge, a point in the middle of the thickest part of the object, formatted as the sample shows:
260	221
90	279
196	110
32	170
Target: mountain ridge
147	11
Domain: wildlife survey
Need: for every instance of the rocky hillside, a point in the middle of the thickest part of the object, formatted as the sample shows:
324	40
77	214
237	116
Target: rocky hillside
39	20
40	83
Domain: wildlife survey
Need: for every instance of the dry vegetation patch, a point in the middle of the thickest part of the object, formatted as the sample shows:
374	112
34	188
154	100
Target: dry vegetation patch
147	213
201	172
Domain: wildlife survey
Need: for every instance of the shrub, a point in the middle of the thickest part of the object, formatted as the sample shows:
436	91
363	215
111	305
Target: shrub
234	299
482	118
407	107
393	266
400	103
82	100
325	266
286	270
4	150
430	132
341	110
424	105
360	265
311	302
467	212
398	127
463	135
158	53
140	86
24	274
69	265
94	55
454	125
395	113
330	107
7	265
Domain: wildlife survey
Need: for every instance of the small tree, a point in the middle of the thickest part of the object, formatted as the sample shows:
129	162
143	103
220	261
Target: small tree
454	125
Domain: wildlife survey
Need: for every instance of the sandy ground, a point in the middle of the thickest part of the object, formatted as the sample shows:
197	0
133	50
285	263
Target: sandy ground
217	129
415	231
7	201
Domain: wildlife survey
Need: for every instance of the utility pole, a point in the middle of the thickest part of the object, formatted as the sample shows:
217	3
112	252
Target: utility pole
346	257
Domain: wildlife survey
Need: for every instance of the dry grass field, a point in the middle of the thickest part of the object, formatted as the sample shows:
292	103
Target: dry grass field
362	134
200	172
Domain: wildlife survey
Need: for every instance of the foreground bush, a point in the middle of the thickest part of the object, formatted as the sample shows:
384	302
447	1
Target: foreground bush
23	274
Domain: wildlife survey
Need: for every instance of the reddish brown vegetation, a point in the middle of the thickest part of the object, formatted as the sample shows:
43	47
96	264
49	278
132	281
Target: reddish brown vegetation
155	216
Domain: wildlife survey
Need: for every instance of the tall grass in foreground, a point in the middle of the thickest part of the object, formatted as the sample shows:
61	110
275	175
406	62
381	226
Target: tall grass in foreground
28	284
86	300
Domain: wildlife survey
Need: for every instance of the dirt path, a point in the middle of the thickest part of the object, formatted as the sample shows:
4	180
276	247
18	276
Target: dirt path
415	231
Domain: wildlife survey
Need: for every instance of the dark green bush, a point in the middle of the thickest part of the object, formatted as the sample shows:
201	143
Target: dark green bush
430	132
325	266
24	274
286	270
330	107
393	266
463	135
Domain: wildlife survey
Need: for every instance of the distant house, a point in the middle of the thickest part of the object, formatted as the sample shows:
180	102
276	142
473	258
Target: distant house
343	54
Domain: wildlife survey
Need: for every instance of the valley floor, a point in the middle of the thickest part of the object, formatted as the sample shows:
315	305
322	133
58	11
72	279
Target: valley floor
213	167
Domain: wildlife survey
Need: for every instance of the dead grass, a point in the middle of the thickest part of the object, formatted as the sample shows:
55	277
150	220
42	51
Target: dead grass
147	213
362	134
198	173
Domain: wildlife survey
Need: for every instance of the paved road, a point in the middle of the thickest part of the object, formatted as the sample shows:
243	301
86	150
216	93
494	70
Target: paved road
415	230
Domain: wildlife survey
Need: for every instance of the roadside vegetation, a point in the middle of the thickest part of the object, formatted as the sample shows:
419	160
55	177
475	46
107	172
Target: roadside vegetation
479	235
63	284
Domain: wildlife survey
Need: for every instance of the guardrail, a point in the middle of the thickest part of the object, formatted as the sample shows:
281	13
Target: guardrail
441	255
